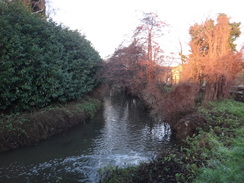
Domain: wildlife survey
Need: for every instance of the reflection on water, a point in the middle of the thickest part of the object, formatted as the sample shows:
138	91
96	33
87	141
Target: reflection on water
121	134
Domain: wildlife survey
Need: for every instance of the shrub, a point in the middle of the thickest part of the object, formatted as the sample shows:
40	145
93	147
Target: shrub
41	62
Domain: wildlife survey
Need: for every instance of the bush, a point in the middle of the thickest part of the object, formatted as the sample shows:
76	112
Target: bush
41	62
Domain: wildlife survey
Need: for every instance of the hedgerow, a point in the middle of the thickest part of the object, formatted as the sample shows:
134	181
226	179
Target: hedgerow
42	62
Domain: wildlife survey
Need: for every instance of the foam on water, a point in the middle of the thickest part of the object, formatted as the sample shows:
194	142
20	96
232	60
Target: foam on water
84	165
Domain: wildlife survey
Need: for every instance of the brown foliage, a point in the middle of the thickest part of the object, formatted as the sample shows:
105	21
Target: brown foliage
221	76
187	126
213	61
149	30
126	68
153	96
179	102
134	67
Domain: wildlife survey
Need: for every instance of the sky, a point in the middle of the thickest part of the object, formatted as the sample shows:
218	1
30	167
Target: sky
108	23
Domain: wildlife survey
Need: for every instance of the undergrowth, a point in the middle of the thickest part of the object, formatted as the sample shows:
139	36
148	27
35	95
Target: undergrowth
224	159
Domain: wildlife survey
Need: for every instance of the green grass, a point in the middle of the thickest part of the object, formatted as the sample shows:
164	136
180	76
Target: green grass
89	106
224	156
226	165
231	107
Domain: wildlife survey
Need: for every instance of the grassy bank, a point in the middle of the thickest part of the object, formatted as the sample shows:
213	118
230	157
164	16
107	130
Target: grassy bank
215	154
18	130
220	145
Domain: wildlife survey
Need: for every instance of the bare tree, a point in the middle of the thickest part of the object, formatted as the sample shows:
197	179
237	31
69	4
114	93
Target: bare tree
148	32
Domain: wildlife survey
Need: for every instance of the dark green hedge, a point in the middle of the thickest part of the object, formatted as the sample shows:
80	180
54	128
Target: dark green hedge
41	62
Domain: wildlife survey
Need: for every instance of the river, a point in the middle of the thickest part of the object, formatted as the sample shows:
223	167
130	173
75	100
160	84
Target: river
121	134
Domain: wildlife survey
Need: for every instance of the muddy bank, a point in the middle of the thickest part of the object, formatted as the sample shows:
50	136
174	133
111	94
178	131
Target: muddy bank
31	128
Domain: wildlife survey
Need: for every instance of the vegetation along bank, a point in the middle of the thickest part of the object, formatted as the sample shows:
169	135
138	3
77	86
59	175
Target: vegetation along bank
47	73
194	98
215	154
30	128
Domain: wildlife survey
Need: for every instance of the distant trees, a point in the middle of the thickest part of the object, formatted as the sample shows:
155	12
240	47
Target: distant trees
147	33
41	62
125	67
207	73
135	67
213	60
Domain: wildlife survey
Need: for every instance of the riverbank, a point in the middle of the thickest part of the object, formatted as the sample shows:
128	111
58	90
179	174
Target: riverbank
215	154
30	128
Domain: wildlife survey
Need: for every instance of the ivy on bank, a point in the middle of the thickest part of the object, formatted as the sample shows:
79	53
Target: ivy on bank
41	62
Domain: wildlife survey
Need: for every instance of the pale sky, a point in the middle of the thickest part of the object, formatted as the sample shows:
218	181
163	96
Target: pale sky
106	23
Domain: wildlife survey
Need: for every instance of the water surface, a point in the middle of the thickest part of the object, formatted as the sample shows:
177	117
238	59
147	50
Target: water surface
121	134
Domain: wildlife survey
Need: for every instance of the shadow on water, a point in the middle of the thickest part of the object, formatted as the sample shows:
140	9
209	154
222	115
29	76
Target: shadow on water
121	134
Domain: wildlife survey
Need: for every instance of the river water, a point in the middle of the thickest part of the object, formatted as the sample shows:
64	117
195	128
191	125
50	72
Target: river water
121	134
